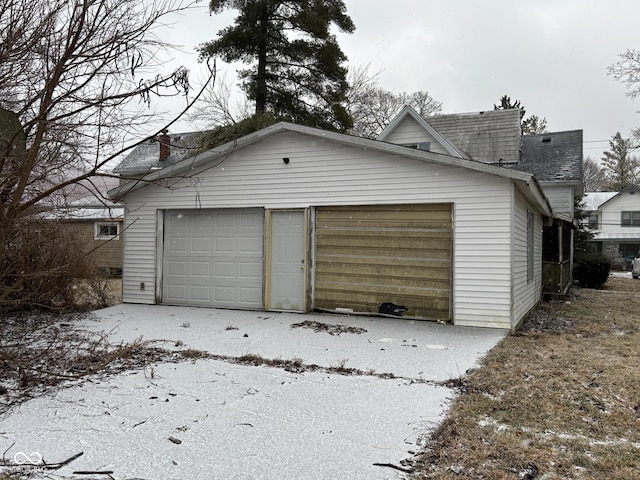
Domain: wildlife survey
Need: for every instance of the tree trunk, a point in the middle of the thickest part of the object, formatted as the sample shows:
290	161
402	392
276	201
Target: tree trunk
261	77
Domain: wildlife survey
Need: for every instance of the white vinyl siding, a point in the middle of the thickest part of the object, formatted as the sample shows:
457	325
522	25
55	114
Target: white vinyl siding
560	197
410	132
139	256
323	173
611	215
526	283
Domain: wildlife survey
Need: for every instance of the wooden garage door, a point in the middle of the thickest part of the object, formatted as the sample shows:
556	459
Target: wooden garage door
213	258
369	255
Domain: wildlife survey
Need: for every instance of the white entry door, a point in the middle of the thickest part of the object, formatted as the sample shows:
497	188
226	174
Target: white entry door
288	267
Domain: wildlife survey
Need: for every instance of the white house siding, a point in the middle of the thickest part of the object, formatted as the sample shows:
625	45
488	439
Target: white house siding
526	294
611	214
321	173
560	197
139	253
409	131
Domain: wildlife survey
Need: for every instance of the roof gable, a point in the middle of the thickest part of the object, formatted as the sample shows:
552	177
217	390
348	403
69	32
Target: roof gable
409	114
592	200
631	189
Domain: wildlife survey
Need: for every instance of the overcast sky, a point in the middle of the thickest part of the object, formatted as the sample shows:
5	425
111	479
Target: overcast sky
552	55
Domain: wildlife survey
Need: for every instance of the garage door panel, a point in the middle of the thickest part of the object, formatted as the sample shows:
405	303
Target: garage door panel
224	245
250	245
351	254
436	269
200	293
369	255
200	245
224	296
224	269
176	292
177	245
201	269
247	294
250	270
213	257
438	306
384	283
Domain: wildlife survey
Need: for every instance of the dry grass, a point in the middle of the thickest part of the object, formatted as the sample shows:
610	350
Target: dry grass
97	292
559	400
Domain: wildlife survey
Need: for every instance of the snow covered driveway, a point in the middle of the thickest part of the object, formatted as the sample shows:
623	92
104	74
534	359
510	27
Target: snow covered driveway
214	419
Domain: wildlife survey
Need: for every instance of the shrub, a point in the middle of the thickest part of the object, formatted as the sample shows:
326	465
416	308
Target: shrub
41	265
591	270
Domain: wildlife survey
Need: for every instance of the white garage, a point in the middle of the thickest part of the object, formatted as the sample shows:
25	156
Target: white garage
213	257
296	219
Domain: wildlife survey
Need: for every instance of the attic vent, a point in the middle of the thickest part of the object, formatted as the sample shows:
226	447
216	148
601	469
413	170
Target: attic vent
546	139
424	146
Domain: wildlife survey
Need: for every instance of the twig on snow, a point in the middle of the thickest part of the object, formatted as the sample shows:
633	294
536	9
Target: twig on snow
396	467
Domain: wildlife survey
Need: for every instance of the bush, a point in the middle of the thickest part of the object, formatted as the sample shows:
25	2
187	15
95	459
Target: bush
591	270
41	265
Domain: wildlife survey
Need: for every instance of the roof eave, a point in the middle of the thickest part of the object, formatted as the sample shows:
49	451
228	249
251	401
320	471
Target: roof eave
195	162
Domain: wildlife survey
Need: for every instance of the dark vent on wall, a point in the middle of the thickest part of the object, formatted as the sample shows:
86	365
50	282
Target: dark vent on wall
546	138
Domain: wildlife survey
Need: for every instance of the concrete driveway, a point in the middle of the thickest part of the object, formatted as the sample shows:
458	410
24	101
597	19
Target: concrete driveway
241	421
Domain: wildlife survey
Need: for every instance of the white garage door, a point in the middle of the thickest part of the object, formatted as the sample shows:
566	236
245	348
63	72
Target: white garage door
213	258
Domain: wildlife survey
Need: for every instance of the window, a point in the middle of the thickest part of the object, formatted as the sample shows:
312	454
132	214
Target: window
107	230
424	146
530	244
593	221
630	219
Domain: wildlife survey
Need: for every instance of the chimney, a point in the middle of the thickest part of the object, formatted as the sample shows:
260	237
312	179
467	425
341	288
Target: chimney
165	148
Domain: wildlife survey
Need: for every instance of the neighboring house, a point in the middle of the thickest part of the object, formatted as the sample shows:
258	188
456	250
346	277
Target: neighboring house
99	224
556	161
157	153
292	218
493	137
614	218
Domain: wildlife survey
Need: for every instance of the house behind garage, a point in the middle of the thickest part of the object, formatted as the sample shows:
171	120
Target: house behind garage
292	218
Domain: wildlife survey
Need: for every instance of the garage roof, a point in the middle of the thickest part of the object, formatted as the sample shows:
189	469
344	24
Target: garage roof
532	190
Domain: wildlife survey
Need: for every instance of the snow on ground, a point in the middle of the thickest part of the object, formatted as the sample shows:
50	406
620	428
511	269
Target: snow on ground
231	421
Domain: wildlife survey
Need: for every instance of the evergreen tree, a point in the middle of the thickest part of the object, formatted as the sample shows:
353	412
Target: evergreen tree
297	71
530	126
620	168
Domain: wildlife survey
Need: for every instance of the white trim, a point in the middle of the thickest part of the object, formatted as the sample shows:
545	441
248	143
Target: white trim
159	253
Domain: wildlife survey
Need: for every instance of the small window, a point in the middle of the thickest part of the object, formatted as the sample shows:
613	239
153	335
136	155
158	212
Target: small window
107	231
424	146
593	221
530	245
630	219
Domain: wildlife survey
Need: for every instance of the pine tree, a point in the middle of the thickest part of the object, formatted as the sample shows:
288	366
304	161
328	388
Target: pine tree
297	71
533	125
